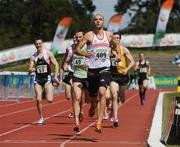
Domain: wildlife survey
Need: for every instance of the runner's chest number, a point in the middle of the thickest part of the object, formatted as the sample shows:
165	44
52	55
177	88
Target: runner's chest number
101	53
143	70
78	60
115	63
41	69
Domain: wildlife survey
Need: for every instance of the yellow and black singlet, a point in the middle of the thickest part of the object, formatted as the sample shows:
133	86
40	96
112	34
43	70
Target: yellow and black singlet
118	67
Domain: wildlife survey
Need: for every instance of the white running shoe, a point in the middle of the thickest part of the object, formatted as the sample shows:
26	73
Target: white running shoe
105	117
41	121
71	115
111	119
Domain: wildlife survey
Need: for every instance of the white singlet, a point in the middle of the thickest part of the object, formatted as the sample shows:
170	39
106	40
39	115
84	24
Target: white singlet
100	48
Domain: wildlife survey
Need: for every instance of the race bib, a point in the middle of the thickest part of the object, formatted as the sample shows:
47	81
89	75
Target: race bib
41	69
143	70
78	61
101	53
115	63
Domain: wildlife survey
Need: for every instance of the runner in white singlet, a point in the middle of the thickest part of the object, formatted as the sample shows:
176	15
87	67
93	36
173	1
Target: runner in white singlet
98	62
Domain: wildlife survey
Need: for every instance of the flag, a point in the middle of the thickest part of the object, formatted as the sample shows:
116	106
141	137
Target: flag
126	20
114	23
120	21
163	20
60	34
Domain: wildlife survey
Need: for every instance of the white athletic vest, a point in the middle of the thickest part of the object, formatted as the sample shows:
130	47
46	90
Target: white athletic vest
70	53
46	58
100	48
69	57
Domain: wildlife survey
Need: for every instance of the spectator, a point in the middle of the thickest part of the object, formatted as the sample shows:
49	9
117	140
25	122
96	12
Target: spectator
176	60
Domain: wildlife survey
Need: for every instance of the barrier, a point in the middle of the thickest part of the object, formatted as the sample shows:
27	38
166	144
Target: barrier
151	83
166	82
15	85
133	84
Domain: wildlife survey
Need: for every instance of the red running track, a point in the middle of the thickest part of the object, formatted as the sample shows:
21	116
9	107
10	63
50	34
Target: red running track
18	126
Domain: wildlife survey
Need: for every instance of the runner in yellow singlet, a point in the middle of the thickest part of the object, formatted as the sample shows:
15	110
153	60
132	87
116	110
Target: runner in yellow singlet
120	77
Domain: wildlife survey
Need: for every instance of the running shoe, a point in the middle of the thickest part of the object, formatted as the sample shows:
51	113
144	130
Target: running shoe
71	115
105	117
142	102
41	121
115	123
98	128
111	118
77	129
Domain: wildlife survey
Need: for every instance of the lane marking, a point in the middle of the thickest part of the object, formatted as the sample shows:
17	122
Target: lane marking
19	111
25	126
91	124
19	103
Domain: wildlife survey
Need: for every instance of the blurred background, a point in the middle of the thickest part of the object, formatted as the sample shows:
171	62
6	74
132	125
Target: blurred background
23	20
151	26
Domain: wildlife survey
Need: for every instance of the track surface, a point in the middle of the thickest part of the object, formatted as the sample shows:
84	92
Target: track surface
18	126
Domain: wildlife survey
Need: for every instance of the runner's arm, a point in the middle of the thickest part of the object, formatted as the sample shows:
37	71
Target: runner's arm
64	63
130	59
80	45
56	69
31	65
148	68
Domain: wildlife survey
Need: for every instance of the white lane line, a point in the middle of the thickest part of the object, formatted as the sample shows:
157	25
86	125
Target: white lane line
19	111
19	103
25	126
91	124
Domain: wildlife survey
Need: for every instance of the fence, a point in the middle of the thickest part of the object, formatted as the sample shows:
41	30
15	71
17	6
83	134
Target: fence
15	85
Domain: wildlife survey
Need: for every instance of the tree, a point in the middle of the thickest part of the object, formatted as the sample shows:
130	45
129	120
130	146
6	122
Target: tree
23	20
174	20
146	15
